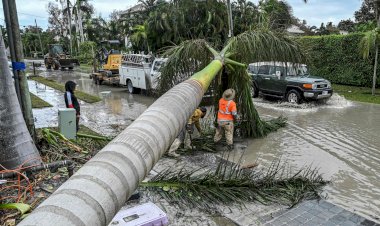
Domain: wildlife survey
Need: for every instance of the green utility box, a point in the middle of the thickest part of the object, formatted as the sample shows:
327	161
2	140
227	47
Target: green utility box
67	122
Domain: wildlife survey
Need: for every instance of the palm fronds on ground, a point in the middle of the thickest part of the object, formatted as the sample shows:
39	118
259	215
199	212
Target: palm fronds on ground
229	184
251	46
55	147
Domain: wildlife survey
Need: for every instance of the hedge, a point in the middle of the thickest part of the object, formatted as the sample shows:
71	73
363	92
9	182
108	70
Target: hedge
338	59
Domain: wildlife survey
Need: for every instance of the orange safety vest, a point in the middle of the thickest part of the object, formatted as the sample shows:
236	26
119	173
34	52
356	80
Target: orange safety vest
227	110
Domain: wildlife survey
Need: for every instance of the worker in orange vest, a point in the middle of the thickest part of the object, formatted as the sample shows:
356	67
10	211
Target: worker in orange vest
226	115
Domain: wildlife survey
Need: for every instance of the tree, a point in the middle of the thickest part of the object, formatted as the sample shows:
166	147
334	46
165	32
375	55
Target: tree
346	25
16	144
245	48
139	37
57	24
366	13
278	13
370	42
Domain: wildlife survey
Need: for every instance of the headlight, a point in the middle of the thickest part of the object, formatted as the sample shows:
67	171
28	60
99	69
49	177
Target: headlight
309	86
328	84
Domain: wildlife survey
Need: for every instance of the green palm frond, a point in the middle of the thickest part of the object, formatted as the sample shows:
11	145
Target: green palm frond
183	60
228	184
368	42
252	46
264	45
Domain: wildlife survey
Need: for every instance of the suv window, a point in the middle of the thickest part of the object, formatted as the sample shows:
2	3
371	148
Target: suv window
253	69
264	70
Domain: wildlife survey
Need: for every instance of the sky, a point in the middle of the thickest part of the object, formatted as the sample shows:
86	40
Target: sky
314	12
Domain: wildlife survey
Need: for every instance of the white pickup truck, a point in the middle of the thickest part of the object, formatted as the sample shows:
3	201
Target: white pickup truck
140	72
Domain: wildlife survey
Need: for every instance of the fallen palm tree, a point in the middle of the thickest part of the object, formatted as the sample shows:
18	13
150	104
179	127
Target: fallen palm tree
94	194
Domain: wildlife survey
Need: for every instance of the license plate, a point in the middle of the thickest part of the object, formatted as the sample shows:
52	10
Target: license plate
325	92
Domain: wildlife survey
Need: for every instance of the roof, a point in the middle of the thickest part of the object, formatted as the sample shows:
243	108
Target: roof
134	9
277	63
293	29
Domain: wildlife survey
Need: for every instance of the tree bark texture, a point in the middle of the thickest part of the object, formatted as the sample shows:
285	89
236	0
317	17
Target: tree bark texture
17	55
16	144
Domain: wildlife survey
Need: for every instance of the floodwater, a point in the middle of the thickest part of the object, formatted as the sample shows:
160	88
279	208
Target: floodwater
340	138
114	113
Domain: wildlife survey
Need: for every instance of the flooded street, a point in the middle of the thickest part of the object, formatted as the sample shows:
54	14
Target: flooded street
114	113
341	138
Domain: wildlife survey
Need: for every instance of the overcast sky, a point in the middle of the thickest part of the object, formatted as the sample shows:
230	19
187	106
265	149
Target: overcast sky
314	12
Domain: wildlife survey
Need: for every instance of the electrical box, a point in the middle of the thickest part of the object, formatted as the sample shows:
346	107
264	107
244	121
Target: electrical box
67	122
146	214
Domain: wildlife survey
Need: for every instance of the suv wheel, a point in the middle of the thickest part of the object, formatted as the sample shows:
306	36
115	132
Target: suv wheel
293	96
254	91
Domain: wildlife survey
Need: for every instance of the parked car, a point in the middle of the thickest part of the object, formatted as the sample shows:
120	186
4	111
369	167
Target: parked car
288	81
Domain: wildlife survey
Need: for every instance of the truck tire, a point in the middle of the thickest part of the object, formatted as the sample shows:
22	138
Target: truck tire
294	96
57	65
254	91
130	87
97	80
47	65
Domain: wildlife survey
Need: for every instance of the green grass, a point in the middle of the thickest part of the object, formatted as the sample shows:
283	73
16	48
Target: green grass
55	85
86	68
38	102
354	93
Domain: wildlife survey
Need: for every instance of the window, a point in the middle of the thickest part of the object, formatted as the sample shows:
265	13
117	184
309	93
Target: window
264	70
253	69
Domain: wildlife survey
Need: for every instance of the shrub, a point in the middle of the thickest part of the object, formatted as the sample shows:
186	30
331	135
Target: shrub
338	59
86	52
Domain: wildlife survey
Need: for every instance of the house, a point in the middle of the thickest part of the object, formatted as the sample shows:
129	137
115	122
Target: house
133	10
294	30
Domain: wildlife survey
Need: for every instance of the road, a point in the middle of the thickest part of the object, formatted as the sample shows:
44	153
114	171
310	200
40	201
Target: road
340	138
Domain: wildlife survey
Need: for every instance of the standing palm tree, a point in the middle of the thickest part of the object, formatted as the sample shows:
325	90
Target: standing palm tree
16	144
140	38
370	42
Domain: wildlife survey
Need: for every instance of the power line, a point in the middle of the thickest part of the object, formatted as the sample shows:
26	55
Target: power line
27	14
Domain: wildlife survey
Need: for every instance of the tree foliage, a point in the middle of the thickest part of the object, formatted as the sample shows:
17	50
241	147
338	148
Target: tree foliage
330	55
366	13
260	45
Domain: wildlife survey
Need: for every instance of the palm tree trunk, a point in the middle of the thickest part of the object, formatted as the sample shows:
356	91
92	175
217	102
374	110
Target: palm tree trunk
94	194
375	70
16	144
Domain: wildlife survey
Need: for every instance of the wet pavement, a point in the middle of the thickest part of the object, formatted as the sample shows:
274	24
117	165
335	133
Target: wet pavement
340	138
114	113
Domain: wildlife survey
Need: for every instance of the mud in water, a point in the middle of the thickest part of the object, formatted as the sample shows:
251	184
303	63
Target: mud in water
341	138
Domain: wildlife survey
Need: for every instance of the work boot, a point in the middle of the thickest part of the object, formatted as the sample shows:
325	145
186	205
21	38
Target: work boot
173	154
175	145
